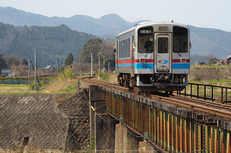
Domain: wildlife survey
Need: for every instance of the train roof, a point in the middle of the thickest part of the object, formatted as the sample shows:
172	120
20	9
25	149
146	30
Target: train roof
149	24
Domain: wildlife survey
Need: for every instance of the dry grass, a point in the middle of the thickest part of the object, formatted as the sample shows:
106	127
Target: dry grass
64	85
112	78
59	85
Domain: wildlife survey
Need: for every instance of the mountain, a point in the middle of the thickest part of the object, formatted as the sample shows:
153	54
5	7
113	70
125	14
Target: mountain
50	42
205	41
106	26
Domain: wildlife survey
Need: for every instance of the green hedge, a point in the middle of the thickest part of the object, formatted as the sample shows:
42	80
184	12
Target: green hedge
20	80
14	81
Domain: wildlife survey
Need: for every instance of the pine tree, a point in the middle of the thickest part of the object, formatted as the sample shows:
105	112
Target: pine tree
24	62
69	60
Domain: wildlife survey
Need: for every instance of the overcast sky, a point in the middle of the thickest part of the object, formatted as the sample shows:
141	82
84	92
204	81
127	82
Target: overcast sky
200	13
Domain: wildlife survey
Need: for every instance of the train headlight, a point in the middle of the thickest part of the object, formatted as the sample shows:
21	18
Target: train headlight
142	60
183	59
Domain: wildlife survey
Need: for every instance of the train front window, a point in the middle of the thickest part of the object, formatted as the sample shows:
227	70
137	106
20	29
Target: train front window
145	40
162	45
180	39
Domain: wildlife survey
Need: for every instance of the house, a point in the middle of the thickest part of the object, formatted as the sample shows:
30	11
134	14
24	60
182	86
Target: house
214	61
49	68
228	59
201	63
8	73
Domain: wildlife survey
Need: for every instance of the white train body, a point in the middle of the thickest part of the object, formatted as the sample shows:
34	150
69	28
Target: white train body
154	56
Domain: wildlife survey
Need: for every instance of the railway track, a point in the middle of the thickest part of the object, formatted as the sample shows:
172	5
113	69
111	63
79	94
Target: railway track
210	107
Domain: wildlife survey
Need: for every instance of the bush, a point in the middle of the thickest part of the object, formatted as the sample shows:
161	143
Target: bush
43	83
69	88
68	74
102	75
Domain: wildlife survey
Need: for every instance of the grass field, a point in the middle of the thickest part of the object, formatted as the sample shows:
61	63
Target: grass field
210	66
226	83
13	88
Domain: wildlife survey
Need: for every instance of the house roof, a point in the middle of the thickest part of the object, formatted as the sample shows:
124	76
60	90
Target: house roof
6	71
228	56
223	60
49	67
216	59
202	63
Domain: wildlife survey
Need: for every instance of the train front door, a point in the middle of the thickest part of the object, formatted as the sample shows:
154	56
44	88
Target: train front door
162	53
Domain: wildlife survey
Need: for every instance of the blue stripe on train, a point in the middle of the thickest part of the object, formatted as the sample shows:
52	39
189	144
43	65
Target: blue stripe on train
151	65
144	65
138	65
180	66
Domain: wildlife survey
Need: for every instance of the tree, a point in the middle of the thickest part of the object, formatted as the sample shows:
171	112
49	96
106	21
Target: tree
98	47
223	62
13	60
93	46
210	59
24	62
69	60
2	63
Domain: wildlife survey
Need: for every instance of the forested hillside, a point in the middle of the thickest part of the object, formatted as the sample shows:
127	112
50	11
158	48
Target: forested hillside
205	41
50	42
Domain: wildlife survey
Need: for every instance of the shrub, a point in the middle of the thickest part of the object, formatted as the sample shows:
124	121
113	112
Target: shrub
67	73
102	75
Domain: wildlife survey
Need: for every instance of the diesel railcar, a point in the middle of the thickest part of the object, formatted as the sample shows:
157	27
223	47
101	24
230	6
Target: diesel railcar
154	56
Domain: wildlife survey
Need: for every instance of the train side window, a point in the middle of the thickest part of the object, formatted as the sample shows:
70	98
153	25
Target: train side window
162	45
180	39
145	40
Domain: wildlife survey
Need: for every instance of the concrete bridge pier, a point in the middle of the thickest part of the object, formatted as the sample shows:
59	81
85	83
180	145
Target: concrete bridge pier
127	142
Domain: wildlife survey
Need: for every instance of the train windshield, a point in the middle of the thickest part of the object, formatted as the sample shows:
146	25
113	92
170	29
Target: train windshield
145	40
180	39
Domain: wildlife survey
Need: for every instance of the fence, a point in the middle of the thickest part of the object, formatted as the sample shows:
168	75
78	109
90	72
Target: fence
208	92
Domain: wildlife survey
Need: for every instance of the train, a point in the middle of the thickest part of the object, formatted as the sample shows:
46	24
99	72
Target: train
153	56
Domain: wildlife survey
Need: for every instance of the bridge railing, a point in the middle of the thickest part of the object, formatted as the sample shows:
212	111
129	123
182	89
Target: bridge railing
168	127
207	92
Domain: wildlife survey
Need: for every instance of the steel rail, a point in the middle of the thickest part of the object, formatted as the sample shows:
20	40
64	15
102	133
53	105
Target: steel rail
205	103
198	106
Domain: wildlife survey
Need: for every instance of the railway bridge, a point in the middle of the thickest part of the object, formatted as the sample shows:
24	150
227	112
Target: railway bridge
147	123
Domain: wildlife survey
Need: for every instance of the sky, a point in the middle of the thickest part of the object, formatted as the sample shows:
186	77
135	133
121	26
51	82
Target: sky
200	13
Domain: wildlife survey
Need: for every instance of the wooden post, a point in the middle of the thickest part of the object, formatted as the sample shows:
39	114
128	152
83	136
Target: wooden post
29	73
35	71
58	67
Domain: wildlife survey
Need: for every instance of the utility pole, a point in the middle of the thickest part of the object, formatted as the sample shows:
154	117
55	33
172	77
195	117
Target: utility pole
29	73
104	65
99	60
91	65
80	66
58	67
35	71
